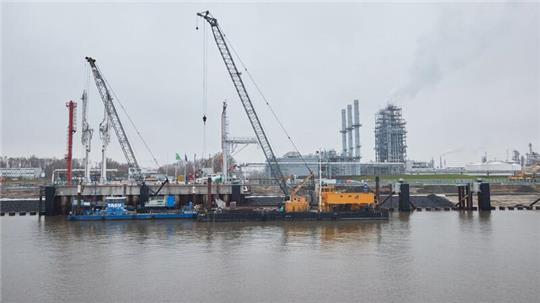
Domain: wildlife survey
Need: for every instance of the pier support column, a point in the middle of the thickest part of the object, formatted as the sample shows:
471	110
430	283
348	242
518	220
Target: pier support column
484	197
135	200
64	204
178	200
144	195
404	198
469	197
209	194
235	194
50	205
461	196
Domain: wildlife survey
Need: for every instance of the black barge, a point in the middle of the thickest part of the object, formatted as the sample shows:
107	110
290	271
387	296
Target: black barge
275	215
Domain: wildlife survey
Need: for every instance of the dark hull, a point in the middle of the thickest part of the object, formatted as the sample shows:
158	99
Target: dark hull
239	216
149	216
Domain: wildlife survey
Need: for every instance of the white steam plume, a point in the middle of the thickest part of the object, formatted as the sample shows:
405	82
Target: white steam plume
461	35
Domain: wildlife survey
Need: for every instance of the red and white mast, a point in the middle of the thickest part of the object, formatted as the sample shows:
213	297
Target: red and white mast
72	128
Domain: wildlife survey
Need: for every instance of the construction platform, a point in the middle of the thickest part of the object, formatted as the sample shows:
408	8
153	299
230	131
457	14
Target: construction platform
57	200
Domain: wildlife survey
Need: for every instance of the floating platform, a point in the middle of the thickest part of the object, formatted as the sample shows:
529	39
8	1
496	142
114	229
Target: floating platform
241	216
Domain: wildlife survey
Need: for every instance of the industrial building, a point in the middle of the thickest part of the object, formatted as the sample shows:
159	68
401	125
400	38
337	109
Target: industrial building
492	168
390	135
382	168
414	167
334	165
532	158
21	172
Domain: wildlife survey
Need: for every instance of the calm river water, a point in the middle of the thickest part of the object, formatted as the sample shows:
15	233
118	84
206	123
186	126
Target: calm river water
423	257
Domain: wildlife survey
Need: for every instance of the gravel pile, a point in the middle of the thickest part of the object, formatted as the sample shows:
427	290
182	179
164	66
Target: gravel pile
19	205
422	201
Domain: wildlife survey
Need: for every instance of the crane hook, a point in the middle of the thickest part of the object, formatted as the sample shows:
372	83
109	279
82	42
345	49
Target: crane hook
204	119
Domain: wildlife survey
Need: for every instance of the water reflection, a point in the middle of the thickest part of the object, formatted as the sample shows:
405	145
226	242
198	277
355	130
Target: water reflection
421	256
316	233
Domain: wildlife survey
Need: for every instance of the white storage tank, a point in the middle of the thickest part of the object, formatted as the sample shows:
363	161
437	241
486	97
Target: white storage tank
493	168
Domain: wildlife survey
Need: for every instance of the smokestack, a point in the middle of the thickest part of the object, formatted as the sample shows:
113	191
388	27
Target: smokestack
356	127
349	130
343	132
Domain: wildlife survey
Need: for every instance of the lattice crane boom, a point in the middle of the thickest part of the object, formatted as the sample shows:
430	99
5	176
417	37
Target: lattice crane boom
114	119
236	78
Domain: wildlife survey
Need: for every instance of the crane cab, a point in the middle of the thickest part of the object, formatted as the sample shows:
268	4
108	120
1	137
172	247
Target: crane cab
297	204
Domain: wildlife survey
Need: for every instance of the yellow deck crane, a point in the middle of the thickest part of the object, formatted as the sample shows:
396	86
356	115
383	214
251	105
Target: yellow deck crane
296	202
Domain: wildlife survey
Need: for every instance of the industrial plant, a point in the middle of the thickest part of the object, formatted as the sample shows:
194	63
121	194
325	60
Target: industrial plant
390	135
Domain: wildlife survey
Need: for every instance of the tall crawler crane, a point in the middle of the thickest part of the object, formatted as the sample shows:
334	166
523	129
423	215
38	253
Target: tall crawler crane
114	120
236	78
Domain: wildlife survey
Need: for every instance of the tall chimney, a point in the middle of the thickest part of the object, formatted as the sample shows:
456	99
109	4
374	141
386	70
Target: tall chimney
349	131
343	132
356	125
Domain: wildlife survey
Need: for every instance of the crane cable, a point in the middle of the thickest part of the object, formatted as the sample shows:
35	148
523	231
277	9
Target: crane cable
129	118
204	85
252	79
239	150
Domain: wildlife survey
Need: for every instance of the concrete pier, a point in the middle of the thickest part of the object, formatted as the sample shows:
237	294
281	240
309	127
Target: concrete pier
58	198
134	190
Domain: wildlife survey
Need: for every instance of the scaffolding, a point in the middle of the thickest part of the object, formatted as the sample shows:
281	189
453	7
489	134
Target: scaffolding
390	135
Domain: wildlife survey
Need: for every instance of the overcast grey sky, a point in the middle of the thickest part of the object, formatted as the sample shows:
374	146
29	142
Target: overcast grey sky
466	75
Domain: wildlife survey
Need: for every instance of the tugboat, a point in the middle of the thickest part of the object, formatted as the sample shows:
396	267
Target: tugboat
115	209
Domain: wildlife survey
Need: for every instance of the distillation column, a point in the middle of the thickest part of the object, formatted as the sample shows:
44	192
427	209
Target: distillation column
349	131
356	125
343	132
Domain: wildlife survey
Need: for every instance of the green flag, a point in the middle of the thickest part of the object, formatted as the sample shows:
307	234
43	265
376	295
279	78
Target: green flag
178	157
